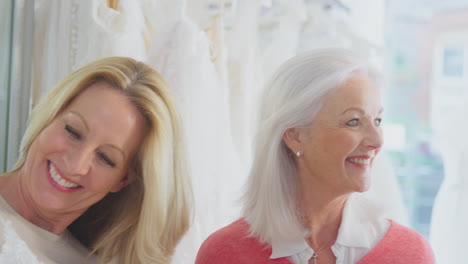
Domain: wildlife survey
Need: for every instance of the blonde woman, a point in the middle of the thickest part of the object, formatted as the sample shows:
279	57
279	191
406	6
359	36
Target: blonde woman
101	175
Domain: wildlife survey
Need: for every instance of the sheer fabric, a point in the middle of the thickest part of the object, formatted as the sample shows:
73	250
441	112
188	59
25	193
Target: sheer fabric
70	34
244	74
181	53
449	214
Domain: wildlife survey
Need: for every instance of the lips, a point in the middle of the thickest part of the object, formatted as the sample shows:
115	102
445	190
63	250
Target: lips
360	161
59	181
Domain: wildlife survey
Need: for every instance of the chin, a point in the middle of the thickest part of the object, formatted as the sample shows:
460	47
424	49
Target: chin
363	185
363	189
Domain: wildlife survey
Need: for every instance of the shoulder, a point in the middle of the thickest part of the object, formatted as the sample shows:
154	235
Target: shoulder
233	244
13	248
400	245
406	238
73	248
228	244
3	225
7	220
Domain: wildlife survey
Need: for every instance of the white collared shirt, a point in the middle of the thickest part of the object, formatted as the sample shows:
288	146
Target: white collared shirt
362	227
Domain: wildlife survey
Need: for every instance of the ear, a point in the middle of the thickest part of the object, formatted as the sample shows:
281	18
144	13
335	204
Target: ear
122	183
293	138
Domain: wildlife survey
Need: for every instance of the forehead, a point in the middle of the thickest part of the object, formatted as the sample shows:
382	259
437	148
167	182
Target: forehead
357	91
109	115
95	89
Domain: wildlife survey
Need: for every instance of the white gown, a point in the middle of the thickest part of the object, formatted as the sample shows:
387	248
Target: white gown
285	37
181	53
70	34
244	72
450	212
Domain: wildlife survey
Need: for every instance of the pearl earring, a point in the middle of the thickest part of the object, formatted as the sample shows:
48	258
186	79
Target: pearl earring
299	154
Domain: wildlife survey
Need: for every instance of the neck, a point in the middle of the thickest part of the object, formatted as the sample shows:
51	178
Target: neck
323	219
19	199
322	213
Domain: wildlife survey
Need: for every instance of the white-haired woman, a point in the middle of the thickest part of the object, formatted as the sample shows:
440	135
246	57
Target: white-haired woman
101	170
318	136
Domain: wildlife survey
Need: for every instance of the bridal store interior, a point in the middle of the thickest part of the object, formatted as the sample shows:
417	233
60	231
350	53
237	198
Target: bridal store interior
215	56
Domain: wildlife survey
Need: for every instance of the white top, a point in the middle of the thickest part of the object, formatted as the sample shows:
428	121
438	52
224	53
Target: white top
23	242
362	227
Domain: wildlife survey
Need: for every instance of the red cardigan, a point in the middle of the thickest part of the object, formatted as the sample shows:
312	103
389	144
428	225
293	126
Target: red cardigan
233	245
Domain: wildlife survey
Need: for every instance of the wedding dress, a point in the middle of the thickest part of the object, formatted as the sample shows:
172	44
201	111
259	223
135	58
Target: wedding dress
180	51
450	212
244	75
70	34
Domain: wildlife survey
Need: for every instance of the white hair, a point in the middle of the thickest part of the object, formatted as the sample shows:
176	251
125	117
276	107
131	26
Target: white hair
292	98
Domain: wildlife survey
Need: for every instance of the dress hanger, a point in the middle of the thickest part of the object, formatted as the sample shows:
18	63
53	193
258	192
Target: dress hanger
114	4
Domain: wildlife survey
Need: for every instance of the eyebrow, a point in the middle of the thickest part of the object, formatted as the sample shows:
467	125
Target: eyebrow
82	119
357	109
87	128
118	149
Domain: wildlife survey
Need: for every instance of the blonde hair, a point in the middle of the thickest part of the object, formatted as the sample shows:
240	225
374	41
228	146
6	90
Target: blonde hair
143	222
292	98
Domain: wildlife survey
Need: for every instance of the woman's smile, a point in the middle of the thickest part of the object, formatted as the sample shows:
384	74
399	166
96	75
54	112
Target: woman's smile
359	161
59	181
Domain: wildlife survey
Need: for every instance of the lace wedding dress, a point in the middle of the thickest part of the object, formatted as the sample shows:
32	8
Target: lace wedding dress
181	53
70	34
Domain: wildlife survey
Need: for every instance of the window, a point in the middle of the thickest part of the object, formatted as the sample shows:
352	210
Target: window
6	8
453	62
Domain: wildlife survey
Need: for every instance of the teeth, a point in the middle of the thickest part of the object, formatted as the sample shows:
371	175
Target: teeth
59	180
360	161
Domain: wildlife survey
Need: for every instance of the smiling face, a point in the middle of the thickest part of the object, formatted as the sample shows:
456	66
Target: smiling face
339	147
84	153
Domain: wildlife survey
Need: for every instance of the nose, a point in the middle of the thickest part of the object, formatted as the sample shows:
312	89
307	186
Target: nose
374	137
78	161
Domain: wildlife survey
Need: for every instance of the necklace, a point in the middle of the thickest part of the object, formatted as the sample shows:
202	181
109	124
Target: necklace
315	255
